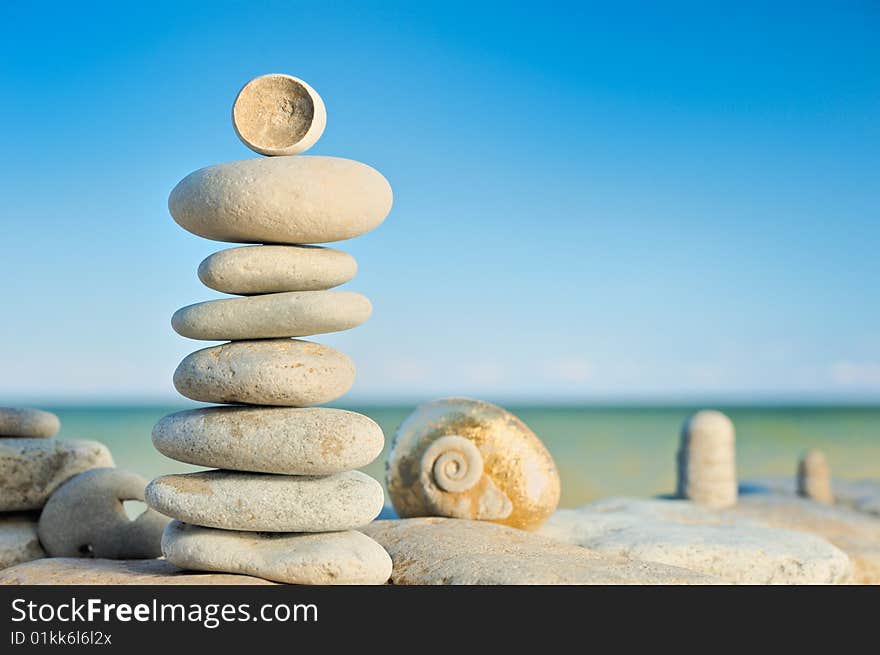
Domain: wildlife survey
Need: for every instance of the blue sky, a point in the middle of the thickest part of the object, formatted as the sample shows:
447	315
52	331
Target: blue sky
644	202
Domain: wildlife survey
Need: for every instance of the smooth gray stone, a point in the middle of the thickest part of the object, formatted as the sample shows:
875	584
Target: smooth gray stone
18	539
273	315
443	551
717	543
250	270
280	372
85	517
295	200
261	502
287	440
31	469
327	558
28	423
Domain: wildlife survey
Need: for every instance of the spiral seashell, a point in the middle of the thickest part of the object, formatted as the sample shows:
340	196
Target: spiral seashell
453	462
469	459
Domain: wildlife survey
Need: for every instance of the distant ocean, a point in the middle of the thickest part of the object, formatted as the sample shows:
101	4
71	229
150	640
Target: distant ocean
600	451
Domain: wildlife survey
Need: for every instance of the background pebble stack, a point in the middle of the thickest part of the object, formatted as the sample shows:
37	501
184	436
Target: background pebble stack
32	466
284	499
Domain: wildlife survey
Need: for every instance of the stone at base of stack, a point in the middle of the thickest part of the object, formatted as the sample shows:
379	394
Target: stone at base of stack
284	500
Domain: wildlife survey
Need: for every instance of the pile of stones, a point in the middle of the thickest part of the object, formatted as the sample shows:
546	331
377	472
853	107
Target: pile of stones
284	500
61	498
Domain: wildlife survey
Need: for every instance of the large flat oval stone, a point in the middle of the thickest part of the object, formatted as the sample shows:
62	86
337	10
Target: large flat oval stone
74	571
30	423
341	558
249	270
287	440
282	200
274	315
284	372
260	502
31	469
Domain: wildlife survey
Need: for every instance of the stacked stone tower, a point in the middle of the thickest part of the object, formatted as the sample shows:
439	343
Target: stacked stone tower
284	500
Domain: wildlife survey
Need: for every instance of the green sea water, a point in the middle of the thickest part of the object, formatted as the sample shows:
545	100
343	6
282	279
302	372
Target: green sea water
600	451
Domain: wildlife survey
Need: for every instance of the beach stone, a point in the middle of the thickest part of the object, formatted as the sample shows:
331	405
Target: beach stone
85	517
814	477
443	551
681	533
855	533
78	571
861	495
29	423
290	314
260	502
278	114
31	469
284	372
249	270
18	539
287	440
282	200
340	558
707	460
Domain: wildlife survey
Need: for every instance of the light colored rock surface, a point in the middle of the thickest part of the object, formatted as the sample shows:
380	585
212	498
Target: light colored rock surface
18	539
73	571
285	372
278	114
292	441
32	423
273	315
262	502
282	200
814	477
343	558
31	469
85	517
249	270
441	551
707	460
855	533
681	533
862	495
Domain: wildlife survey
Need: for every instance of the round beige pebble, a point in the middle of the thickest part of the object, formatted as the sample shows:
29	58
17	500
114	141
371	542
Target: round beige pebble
278	114
282	200
281	372
261	502
333	558
274	315
31	469
286	440
250	270
28	423
85	517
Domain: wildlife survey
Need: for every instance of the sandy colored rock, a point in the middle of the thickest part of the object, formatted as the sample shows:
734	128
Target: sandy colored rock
282	200
261	502
18	539
284	372
814	477
76	571
28	423
85	517
681	533
292	441
441	551
273	315
31	469
332	558
861	495
278	114
855	533
249	270
707	460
